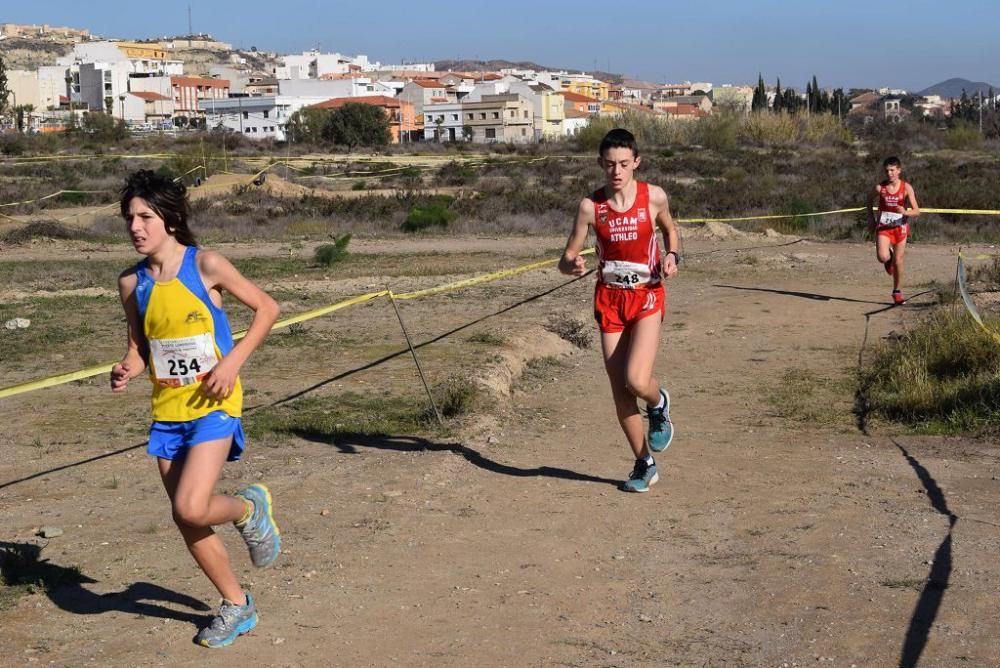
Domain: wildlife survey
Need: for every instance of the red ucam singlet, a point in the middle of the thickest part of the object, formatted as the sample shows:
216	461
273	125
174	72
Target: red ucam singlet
887	203
628	251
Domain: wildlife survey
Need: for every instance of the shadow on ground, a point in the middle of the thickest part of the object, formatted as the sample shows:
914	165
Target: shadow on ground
22	565
350	442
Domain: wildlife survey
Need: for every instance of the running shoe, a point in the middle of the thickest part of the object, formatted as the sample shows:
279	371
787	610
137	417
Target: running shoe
642	477
260	532
898	298
661	429
232	621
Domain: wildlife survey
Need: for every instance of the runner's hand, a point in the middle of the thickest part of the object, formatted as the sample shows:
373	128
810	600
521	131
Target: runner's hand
670	266
579	266
120	376
220	381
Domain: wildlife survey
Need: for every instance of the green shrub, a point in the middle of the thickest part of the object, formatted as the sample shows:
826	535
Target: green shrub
434	213
327	254
942	376
963	136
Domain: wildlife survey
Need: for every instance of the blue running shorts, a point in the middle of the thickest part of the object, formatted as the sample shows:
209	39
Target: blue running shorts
172	440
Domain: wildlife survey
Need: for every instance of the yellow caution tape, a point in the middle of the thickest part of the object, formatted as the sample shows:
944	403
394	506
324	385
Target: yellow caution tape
302	317
771	217
56	380
55	194
974	212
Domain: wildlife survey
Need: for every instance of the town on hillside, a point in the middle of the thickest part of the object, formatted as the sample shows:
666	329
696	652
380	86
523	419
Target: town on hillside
55	76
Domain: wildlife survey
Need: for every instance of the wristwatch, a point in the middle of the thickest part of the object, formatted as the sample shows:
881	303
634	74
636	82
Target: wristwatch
677	256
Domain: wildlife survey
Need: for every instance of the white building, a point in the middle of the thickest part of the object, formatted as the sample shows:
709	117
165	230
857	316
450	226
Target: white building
443	122
314	65
327	89
26	87
259	117
101	84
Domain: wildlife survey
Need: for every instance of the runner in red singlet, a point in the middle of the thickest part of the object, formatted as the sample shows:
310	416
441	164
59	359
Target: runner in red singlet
629	297
891	222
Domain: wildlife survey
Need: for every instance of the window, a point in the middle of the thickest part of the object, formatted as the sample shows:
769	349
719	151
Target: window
266	111
246	130
496	114
246	114
491	133
513	113
482	115
525	113
454	117
470	116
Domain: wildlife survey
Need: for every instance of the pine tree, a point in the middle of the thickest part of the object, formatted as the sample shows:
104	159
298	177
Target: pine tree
815	105
779	101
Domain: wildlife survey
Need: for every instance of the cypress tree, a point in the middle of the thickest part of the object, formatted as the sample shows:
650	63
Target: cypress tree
779	102
4	90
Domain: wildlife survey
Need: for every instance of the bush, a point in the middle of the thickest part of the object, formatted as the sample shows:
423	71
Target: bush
570	329
963	136
942	376
327	254
434	213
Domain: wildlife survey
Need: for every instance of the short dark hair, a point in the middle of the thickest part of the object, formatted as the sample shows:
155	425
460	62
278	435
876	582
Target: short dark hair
168	198
619	138
891	160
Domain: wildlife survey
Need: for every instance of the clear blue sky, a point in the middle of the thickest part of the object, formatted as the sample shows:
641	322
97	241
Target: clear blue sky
844	43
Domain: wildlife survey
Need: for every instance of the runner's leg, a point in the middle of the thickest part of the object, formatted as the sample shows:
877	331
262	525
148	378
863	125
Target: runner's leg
190	484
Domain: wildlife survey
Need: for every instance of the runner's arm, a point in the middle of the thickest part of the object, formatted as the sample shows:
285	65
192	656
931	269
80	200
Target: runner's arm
219	274
872	198
664	221
134	361
571	261
914	209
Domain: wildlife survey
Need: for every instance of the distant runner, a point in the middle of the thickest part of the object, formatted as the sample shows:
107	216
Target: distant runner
179	332
629	298
891	222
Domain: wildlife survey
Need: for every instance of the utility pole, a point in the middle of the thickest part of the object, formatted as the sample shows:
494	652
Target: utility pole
980	111
190	29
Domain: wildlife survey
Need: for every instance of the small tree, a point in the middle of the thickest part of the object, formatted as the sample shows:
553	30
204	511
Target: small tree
21	110
467	132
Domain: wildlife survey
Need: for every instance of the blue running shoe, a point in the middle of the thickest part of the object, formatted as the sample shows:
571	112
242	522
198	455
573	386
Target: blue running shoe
232	621
260	531
642	477
661	429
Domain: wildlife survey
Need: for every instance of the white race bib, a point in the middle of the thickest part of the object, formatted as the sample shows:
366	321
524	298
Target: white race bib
184	361
890	219
622	274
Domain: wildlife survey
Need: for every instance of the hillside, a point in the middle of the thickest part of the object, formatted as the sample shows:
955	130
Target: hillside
954	87
20	53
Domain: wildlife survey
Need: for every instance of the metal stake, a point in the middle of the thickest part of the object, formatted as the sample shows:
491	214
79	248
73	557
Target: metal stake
413	352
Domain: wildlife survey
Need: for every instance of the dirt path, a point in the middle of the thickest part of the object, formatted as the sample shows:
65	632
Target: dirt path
778	535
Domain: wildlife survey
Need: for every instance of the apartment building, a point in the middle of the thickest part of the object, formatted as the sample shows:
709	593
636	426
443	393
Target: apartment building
186	92
507	118
422	92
